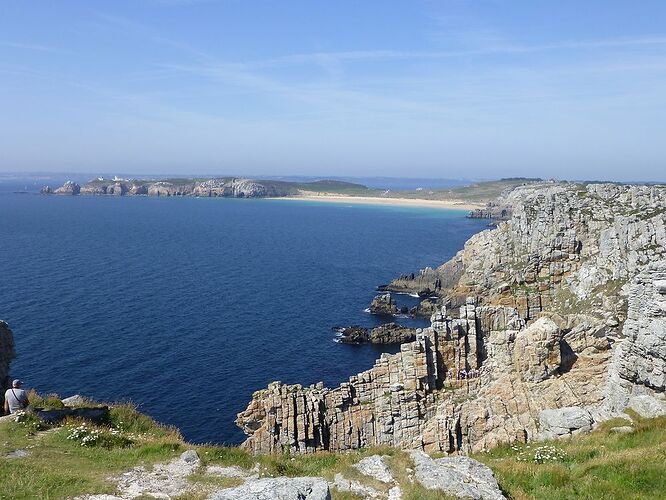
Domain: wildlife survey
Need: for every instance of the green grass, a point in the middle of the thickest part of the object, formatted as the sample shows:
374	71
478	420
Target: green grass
600	465
59	468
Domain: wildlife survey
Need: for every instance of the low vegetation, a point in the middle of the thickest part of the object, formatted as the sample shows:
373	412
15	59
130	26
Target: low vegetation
601	465
78	457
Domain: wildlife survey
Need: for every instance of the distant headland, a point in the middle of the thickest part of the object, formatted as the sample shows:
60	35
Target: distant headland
476	197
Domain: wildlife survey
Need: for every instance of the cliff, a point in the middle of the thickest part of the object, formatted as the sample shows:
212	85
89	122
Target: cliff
558	315
228	187
7	353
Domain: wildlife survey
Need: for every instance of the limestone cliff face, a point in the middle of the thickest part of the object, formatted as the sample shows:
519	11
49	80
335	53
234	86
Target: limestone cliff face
562	306
6	354
235	188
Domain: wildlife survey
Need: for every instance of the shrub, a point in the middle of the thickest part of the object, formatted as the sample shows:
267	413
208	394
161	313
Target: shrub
48	402
126	418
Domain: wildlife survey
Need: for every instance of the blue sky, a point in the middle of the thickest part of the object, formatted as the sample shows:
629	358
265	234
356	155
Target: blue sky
460	88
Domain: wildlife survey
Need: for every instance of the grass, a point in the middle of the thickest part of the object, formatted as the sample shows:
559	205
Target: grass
478	192
58	467
600	465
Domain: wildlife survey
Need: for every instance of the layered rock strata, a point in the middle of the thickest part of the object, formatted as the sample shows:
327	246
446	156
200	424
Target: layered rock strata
560	307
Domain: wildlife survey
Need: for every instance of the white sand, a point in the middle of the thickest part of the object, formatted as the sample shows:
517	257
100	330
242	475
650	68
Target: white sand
371	200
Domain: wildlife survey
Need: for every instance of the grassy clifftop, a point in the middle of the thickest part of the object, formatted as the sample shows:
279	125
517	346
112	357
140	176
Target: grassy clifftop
74	459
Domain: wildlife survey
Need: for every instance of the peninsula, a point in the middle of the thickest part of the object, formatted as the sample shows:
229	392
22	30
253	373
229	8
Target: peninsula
477	196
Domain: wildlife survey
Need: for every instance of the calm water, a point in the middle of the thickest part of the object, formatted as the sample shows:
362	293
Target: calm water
186	306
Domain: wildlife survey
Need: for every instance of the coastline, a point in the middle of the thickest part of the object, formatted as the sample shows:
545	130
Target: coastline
371	200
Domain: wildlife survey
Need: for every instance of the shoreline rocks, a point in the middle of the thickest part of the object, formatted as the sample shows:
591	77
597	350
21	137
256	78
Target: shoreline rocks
559	309
225	187
383	305
389	333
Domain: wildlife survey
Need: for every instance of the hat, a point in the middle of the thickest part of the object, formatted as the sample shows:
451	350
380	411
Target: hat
16	382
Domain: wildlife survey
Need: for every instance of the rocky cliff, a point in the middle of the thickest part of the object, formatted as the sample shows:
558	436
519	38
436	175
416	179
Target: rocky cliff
6	355
226	187
551	322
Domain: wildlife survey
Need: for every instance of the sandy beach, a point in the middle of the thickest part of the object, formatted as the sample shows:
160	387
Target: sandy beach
371	200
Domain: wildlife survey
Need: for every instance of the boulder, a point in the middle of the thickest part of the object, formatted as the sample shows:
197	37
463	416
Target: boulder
563	422
536	353
647	406
98	415
277	488
459	477
356	488
76	400
376	468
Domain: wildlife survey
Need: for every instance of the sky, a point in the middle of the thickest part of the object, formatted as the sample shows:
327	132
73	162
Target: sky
445	89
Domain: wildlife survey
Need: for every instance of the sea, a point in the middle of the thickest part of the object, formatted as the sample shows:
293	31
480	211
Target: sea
186	306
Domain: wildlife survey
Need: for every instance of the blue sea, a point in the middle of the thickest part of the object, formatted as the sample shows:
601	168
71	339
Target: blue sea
186	306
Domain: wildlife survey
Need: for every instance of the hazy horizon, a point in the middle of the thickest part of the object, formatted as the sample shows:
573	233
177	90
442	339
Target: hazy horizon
435	90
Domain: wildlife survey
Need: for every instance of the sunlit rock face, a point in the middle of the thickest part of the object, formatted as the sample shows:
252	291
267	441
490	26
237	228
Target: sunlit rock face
560	307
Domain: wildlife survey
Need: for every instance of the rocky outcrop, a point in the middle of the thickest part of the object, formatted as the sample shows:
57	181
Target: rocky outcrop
92	189
383	305
68	188
564	422
235	188
426	309
491	211
558	307
457	477
283	488
353	334
390	333
638	367
7	353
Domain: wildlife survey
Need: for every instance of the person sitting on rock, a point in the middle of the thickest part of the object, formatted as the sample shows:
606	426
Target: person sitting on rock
15	398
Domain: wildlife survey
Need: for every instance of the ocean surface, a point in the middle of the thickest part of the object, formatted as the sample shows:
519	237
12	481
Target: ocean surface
186	306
